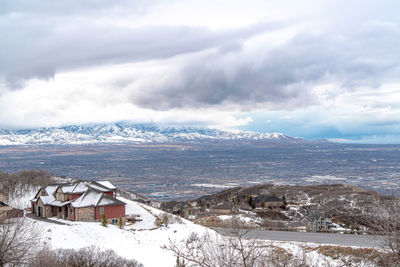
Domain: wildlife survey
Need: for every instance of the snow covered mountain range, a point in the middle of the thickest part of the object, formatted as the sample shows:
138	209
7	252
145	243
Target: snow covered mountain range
121	133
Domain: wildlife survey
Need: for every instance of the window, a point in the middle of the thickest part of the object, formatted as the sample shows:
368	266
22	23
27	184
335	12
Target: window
43	193
114	221
101	210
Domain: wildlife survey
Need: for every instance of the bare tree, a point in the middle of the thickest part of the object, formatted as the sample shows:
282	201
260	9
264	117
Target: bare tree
213	250
84	257
20	238
386	220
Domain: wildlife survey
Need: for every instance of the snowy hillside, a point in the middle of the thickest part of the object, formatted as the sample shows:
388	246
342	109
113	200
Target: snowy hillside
121	133
143	241
146	242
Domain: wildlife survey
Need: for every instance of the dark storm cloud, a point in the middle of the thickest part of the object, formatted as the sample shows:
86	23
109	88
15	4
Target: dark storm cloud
282	77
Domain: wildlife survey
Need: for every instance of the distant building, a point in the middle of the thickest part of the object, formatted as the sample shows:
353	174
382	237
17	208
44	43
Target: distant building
224	208
316	221
267	201
175	207
79	201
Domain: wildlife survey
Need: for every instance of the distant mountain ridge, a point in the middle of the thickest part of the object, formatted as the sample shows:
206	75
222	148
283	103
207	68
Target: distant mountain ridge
121	133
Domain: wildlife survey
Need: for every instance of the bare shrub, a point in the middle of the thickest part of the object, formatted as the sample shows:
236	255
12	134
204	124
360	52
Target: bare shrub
386	220
20	238
166	219
17	185
213	250
84	257
348	256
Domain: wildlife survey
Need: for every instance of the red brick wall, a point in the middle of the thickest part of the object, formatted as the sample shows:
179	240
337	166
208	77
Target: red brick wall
111	212
71	215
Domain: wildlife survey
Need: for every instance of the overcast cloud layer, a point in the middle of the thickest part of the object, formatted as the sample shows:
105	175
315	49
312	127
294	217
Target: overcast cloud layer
305	68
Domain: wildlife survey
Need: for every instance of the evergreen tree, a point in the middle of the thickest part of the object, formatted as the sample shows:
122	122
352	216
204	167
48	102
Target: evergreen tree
284	199
251	201
120	223
104	220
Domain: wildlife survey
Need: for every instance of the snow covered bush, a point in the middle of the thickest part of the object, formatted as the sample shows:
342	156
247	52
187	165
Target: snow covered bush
84	257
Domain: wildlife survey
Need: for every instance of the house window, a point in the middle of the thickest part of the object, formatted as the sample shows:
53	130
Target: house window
101	210
114	221
43	193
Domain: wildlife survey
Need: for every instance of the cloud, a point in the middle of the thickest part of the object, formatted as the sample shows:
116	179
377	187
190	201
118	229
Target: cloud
277	77
37	44
198	62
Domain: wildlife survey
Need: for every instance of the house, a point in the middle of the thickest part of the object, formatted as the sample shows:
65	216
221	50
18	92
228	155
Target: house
224	208
268	201
79	201
315	221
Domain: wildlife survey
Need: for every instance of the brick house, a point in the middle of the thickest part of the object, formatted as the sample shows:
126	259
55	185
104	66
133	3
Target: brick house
268	201
79	201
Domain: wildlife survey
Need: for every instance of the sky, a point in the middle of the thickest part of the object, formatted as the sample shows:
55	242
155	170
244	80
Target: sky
312	69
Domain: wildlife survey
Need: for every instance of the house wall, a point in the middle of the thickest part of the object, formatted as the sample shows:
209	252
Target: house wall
39	203
71	213
63	196
84	214
111	193
111	212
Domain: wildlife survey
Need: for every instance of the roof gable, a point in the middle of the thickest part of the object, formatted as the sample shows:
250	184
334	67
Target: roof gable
91	194
94	198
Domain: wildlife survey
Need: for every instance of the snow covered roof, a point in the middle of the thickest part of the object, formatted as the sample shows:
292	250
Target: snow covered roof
92	194
80	187
107	184
59	203
50	189
47	199
93	197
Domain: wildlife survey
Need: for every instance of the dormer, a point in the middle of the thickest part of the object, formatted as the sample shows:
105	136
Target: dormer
59	195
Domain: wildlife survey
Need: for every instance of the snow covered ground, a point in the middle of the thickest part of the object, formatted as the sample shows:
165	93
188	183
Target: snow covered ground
142	241
133	242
